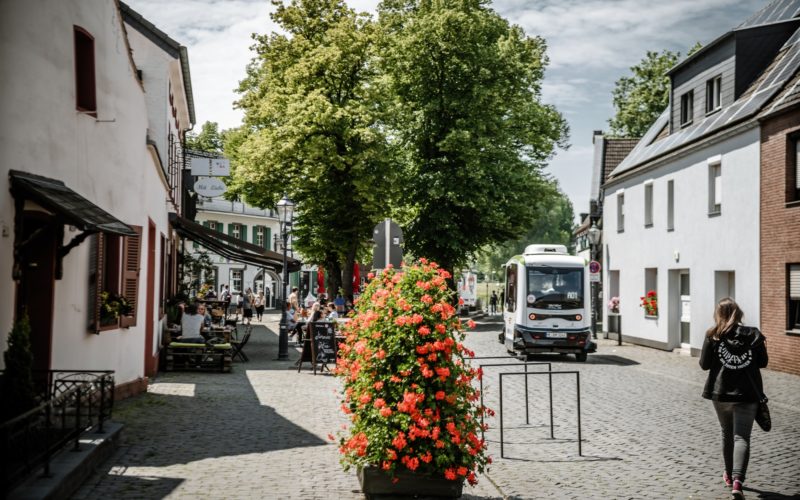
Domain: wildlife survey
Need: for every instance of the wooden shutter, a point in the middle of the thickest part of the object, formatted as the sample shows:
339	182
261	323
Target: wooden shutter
243	232
95	281
230	229
219	227
794	281
267	237
131	257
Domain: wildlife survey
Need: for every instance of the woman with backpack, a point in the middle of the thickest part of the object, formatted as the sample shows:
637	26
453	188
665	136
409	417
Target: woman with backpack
734	354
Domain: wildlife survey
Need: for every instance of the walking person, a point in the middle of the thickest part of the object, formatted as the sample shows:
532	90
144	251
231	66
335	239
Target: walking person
247	306
493	303
733	354
258	303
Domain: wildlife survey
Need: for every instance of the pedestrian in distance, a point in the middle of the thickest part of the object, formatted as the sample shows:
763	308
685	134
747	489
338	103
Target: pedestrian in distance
293	299
247	306
258	303
733	354
493	303
502	298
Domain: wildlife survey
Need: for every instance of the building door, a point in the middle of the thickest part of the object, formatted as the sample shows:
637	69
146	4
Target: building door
35	291
150	361
686	302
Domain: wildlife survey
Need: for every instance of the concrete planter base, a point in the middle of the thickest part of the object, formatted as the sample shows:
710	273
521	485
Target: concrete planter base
377	484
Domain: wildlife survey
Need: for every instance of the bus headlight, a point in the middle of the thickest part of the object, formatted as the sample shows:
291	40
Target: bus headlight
578	317
532	316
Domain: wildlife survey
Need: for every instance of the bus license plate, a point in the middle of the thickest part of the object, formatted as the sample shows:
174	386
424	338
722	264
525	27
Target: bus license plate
557	335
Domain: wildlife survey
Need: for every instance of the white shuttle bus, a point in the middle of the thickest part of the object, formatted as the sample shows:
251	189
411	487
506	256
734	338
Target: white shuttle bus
547	303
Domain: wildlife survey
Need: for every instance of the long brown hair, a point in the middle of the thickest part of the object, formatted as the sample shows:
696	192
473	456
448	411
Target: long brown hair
727	315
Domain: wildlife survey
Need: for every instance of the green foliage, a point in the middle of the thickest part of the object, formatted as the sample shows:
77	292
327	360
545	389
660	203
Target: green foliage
112	306
313	130
463	89
640	99
407	385
19	394
209	139
553	223
197	271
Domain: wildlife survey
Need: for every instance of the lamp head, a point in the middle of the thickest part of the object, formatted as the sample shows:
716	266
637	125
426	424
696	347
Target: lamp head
285	208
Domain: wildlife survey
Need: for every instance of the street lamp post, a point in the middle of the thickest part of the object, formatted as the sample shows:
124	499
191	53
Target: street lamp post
285	209
594	239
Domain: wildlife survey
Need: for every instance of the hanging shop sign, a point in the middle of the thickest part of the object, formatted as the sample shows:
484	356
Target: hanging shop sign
210	187
212	167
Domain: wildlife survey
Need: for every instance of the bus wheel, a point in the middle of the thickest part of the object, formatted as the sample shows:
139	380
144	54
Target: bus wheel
581	357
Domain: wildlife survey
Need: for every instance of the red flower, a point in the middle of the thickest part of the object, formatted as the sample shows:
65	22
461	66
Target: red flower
399	442
424	330
450	474
385	412
439	395
462	471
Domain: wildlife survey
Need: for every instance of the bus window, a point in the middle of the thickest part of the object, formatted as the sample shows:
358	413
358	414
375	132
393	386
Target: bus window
511	287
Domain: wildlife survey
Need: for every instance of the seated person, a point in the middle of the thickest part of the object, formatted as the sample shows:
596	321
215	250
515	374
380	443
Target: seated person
191	322
333	314
202	311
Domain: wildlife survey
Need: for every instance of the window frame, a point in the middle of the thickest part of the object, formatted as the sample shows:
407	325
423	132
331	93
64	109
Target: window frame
671	205
233	279
85	71
793	299
620	212
714	188
793	169
651	284
713	94
687	108
511	288
648	204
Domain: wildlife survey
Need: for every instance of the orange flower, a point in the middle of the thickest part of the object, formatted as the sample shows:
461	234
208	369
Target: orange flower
450	474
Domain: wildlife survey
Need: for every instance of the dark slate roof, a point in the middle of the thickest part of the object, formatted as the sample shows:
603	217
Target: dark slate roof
788	98
775	12
768	85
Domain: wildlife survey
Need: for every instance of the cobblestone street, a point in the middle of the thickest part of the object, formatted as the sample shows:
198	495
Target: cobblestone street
261	432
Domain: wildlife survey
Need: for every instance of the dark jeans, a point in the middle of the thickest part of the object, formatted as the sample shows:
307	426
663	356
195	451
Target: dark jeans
736	420
259	312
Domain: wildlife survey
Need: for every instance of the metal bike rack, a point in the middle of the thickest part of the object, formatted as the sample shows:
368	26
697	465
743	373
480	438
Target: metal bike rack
550	375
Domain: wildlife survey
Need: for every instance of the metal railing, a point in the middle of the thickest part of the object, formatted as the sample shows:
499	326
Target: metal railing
73	402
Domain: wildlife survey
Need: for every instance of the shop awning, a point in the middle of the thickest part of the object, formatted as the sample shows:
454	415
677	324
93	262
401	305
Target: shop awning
230	247
65	204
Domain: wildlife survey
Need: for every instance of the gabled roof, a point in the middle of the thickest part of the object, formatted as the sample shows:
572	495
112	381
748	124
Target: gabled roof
167	44
608	153
775	77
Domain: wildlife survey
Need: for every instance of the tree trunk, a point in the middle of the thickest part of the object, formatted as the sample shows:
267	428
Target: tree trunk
334	281
347	273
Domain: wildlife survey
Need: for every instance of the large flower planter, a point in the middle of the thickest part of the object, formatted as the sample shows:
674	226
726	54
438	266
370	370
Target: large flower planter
376	484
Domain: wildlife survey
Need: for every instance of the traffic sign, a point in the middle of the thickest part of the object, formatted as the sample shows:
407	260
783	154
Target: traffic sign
594	272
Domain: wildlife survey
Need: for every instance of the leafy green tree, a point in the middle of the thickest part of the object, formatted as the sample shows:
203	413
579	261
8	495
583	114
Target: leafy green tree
313	131
639	99
209	139
554	223
467	113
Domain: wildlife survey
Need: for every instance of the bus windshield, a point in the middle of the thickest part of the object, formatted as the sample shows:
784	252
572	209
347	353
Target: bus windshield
555	288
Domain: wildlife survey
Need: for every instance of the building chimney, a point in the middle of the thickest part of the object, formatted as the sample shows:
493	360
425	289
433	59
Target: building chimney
595	134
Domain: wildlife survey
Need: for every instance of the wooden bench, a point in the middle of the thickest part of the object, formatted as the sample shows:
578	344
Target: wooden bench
184	356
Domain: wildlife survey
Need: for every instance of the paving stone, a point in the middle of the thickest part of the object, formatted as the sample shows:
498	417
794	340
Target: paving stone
261	432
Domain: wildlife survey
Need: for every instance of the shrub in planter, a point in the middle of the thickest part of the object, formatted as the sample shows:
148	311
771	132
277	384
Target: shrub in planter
407	387
18	391
650	303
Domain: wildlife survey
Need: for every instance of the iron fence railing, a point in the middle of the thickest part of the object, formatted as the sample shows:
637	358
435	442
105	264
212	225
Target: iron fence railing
73	401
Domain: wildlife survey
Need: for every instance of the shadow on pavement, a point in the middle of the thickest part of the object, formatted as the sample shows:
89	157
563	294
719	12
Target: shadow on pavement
769	495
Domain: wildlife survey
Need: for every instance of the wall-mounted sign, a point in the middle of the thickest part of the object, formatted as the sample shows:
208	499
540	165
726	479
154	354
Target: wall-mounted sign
210	187
212	167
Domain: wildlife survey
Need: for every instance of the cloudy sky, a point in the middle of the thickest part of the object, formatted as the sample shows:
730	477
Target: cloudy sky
591	43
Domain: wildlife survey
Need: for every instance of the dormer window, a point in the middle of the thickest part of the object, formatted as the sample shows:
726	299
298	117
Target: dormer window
687	108
713	91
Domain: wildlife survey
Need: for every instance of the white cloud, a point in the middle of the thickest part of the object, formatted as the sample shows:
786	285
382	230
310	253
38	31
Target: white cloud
591	43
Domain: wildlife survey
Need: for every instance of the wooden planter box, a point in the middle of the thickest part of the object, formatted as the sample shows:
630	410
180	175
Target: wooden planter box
377	484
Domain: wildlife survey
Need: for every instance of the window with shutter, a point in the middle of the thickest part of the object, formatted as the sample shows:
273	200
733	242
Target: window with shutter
104	280
621	212
670	205
793	287
131	257
243	234
267	237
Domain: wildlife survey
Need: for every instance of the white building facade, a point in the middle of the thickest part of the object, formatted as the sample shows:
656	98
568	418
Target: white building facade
75	135
681	212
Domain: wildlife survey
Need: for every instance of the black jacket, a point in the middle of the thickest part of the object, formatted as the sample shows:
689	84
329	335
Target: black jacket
734	361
